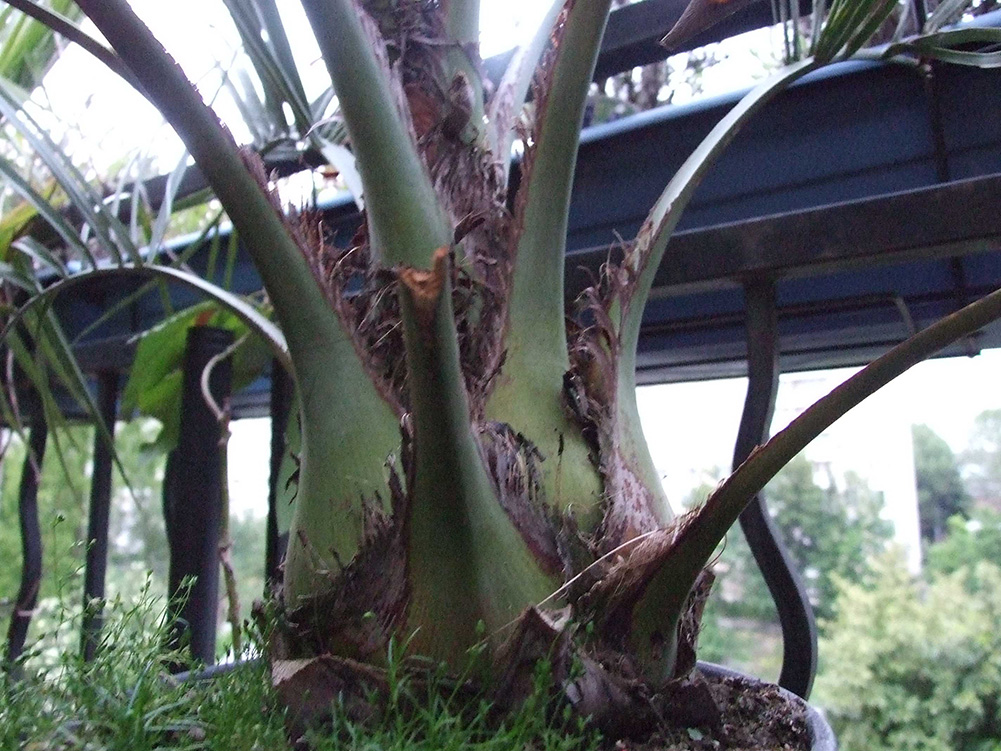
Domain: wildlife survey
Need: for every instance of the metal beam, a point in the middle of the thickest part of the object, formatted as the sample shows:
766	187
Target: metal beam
943	221
956	218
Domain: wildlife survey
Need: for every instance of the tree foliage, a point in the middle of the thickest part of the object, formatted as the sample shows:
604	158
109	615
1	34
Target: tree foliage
968	542
941	492
982	459
830	532
910	666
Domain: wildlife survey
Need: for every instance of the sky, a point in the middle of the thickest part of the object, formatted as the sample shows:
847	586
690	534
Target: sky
109	117
101	117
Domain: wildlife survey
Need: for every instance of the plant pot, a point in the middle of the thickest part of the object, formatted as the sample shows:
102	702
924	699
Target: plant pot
822	737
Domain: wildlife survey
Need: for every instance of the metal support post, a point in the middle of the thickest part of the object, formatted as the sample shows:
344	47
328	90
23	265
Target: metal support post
31	541
193	497
799	629
281	403
100	512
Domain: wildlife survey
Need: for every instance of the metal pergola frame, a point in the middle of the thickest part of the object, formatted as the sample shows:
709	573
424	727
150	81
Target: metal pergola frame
857	208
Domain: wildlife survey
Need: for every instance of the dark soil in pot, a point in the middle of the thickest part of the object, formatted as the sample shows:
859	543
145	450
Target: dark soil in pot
749	715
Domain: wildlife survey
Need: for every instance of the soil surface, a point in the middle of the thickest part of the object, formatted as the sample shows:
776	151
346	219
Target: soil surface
750	716
700	712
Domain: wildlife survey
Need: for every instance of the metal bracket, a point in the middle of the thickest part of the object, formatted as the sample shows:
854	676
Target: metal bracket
799	628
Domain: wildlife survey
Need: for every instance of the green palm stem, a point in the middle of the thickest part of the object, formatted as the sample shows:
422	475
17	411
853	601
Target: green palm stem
849	24
463	21
529	390
466	562
405	219
655	617
348	428
507	102
462	57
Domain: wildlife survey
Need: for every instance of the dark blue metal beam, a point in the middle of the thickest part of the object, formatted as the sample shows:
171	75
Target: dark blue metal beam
834	190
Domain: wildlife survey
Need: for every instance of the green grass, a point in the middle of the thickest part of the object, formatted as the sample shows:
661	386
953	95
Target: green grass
431	715
124	700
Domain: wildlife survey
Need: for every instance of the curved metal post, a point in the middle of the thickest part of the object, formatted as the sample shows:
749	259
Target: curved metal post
31	541
193	497
100	512
799	629
281	403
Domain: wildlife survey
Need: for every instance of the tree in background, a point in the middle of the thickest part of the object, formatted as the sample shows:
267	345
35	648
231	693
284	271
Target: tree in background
912	663
982	460
908	666
969	541
830	532
941	493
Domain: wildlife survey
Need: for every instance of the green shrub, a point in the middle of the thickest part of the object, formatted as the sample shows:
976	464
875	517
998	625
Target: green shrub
915	666
968	543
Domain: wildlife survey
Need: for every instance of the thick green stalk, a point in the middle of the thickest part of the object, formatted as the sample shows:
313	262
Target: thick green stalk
643	259
659	610
656	614
464	21
348	429
536	332
406	221
633	447
466	561
529	391
509	99
463	58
